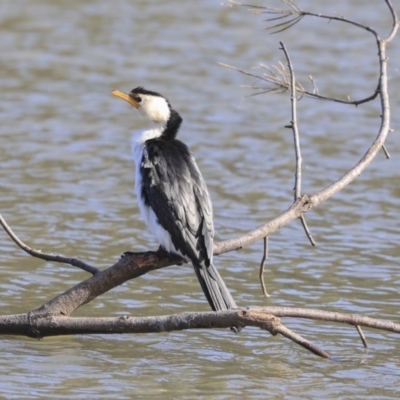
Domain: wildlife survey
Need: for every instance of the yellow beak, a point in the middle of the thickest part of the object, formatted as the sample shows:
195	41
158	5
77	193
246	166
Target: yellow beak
126	97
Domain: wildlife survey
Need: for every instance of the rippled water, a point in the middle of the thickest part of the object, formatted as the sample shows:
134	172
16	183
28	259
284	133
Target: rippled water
66	182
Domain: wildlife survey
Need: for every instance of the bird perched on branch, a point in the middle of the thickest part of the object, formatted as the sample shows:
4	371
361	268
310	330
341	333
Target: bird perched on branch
172	195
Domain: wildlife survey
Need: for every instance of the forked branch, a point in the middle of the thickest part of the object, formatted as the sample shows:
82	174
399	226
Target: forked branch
308	202
293	125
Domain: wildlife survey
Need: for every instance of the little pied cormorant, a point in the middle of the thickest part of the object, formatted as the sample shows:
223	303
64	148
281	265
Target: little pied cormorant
172	195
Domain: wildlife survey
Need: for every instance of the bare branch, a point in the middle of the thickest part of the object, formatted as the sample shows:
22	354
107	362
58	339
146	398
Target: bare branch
307	231
362	337
45	256
308	202
387	154
301	341
379	141
296	138
293	126
280	84
301	206
262	266
296	14
396	23
129	266
285	25
41	327
315	88
266	318
318	315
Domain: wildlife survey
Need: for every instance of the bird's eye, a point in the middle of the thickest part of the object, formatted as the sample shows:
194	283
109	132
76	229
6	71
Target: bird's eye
137	98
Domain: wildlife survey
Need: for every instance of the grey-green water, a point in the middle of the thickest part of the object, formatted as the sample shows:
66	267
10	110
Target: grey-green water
66	180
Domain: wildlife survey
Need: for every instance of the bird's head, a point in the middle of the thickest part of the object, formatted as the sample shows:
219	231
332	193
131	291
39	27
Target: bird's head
151	105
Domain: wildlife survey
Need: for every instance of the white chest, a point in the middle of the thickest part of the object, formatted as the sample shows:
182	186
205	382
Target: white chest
148	215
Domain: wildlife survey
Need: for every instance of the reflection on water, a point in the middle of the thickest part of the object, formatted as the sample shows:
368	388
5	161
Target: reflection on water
66	181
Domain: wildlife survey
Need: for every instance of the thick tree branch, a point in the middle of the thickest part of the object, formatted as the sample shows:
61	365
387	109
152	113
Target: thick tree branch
129	266
24	324
41	327
266	318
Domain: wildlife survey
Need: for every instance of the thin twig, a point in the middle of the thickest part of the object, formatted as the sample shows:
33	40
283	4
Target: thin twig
281	85
262	266
294	15
361	333
296	138
44	256
395	25
295	337
307	231
285	25
298	13
392	34
385	150
315	87
293	125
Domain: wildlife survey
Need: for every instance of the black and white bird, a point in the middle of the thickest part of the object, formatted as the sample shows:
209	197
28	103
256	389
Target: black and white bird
172	195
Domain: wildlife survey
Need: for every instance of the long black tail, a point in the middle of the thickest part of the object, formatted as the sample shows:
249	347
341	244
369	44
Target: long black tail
214	287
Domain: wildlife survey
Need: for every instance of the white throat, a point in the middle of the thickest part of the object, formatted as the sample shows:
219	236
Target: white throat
157	110
139	139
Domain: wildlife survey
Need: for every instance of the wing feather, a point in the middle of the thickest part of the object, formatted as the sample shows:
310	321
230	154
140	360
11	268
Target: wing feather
175	190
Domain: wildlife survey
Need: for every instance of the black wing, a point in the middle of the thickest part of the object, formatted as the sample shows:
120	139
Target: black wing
174	188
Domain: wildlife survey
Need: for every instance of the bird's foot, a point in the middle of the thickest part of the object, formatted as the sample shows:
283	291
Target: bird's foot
161	252
127	254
